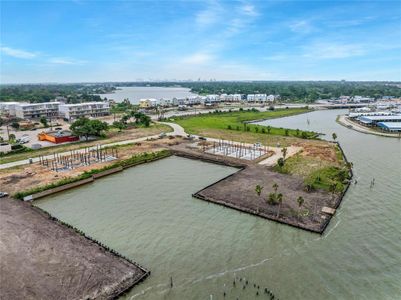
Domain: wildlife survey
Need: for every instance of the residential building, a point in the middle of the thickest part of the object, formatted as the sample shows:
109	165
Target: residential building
256	97
8	108
86	109
37	110
148	103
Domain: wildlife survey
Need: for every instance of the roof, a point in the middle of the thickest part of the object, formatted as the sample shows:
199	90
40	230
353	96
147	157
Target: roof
84	104
381	118
390	125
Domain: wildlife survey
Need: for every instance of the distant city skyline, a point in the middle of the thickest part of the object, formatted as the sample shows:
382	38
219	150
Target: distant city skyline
100	41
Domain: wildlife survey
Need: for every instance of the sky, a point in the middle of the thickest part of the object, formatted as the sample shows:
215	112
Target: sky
96	41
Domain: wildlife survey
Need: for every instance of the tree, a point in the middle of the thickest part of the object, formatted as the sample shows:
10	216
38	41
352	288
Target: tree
119	125
275	187
284	152
269	128
11	138
258	189
15	125
300	201
280	201
280	162
43	120
334	135
256	129
85	127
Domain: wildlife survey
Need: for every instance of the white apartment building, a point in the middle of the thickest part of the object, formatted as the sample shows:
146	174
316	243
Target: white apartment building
8	108
87	109
256	97
231	97
36	110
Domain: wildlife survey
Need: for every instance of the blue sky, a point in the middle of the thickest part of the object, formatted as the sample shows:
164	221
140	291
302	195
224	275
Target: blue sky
74	41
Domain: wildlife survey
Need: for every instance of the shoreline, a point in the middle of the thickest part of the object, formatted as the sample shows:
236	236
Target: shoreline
62	260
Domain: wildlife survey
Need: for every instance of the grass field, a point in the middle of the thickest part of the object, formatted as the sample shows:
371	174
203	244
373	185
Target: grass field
318	172
233	126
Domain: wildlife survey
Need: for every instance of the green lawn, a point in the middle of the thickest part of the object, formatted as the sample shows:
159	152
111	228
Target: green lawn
235	121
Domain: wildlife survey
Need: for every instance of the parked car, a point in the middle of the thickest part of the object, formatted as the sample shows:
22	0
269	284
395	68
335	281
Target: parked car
3	194
202	138
3	144
23	140
58	128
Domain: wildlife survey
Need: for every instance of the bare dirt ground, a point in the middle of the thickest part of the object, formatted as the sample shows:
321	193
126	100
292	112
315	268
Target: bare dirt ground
42	259
29	176
238	191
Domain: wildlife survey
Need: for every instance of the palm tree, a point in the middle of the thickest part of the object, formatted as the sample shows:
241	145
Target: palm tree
284	152
275	187
268	129
300	201
280	201
334	135
258	189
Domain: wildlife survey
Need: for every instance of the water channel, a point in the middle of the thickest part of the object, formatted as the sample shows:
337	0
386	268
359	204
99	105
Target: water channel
147	213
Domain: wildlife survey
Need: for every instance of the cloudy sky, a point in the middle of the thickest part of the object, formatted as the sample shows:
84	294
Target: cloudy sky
75	41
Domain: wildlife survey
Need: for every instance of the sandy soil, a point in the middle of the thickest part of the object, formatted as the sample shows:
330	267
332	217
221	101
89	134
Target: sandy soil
238	191
42	259
28	176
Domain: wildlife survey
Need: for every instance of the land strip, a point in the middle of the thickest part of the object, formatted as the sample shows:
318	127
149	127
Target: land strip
41	258
343	120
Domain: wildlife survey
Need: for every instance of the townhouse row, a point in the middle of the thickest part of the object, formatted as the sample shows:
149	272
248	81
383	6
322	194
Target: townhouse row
207	100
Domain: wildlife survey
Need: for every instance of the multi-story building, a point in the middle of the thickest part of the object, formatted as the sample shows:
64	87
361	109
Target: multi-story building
8	108
147	103
37	110
257	97
86	109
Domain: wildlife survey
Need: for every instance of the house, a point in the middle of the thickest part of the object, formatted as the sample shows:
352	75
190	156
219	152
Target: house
148	103
86	109
256	97
165	102
36	110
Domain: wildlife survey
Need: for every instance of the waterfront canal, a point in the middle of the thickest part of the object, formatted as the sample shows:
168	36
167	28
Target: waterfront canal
147	213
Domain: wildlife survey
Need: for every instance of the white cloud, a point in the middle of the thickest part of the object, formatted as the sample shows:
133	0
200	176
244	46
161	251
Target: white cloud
302	26
334	50
66	61
209	16
18	53
249	10
198	58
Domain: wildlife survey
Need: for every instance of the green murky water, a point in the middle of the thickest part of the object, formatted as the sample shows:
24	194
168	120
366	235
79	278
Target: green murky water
147	213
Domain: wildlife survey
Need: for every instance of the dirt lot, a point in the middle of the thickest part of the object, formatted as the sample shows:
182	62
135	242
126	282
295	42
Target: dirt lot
42	259
29	176
238	191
